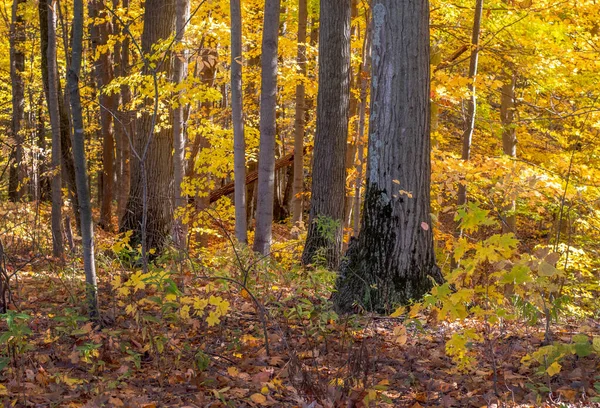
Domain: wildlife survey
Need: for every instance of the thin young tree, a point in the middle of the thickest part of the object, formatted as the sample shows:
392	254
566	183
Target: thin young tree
180	72
393	259
299	120
509	137
325	229
268	103
467	137
16	177
239	141
52	102
81	176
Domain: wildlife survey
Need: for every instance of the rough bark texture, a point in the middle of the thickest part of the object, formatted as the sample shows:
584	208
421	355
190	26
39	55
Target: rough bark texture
180	71
509	141
326	221
472	102
104	74
87	228
17	171
298	184
268	102
154	172
52	101
237	117
393	260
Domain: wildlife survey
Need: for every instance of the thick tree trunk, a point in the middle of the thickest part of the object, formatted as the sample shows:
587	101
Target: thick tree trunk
509	141
393	260
237	117
103	71
149	212
180	72
87	227
298	184
325	229
268	102
52	97
472	102
17	172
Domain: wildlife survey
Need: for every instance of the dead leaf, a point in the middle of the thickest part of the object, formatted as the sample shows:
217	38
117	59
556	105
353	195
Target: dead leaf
259	399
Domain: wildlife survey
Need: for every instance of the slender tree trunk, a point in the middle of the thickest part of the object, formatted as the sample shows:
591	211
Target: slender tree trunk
149	212
360	141
180	72
268	101
472	102
103	70
17	172
87	227
126	119
239	141
52	97
509	140
393	257
325	229
298	185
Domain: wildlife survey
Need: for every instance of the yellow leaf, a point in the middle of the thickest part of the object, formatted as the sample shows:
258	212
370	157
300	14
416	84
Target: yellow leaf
233	371
184	312
596	344
258	398
553	369
212	319
398	312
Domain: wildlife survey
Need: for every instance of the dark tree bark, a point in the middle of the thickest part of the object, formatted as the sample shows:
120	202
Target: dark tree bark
325	229
104	74
87	227
17	172
239	142
268	102
68	167
509	140
52	97
180	72
393	260
149	211
298	173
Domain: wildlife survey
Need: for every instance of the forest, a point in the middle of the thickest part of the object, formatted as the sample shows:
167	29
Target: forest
299	203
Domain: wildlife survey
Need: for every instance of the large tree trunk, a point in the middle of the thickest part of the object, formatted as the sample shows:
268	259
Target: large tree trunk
52	97
472	101
268	102
103	71
237	117
17	172
87	227
180	72
298	184
325	229
149	212
509	140
393	258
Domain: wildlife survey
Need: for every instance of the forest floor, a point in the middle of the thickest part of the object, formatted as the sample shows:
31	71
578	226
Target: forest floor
133	361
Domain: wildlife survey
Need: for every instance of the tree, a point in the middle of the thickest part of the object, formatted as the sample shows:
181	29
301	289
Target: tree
104	73
81	175
52	102
239	142
393	259
268	103
149	211
17	67
472	101
299	122
509	138
325	229
180	67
